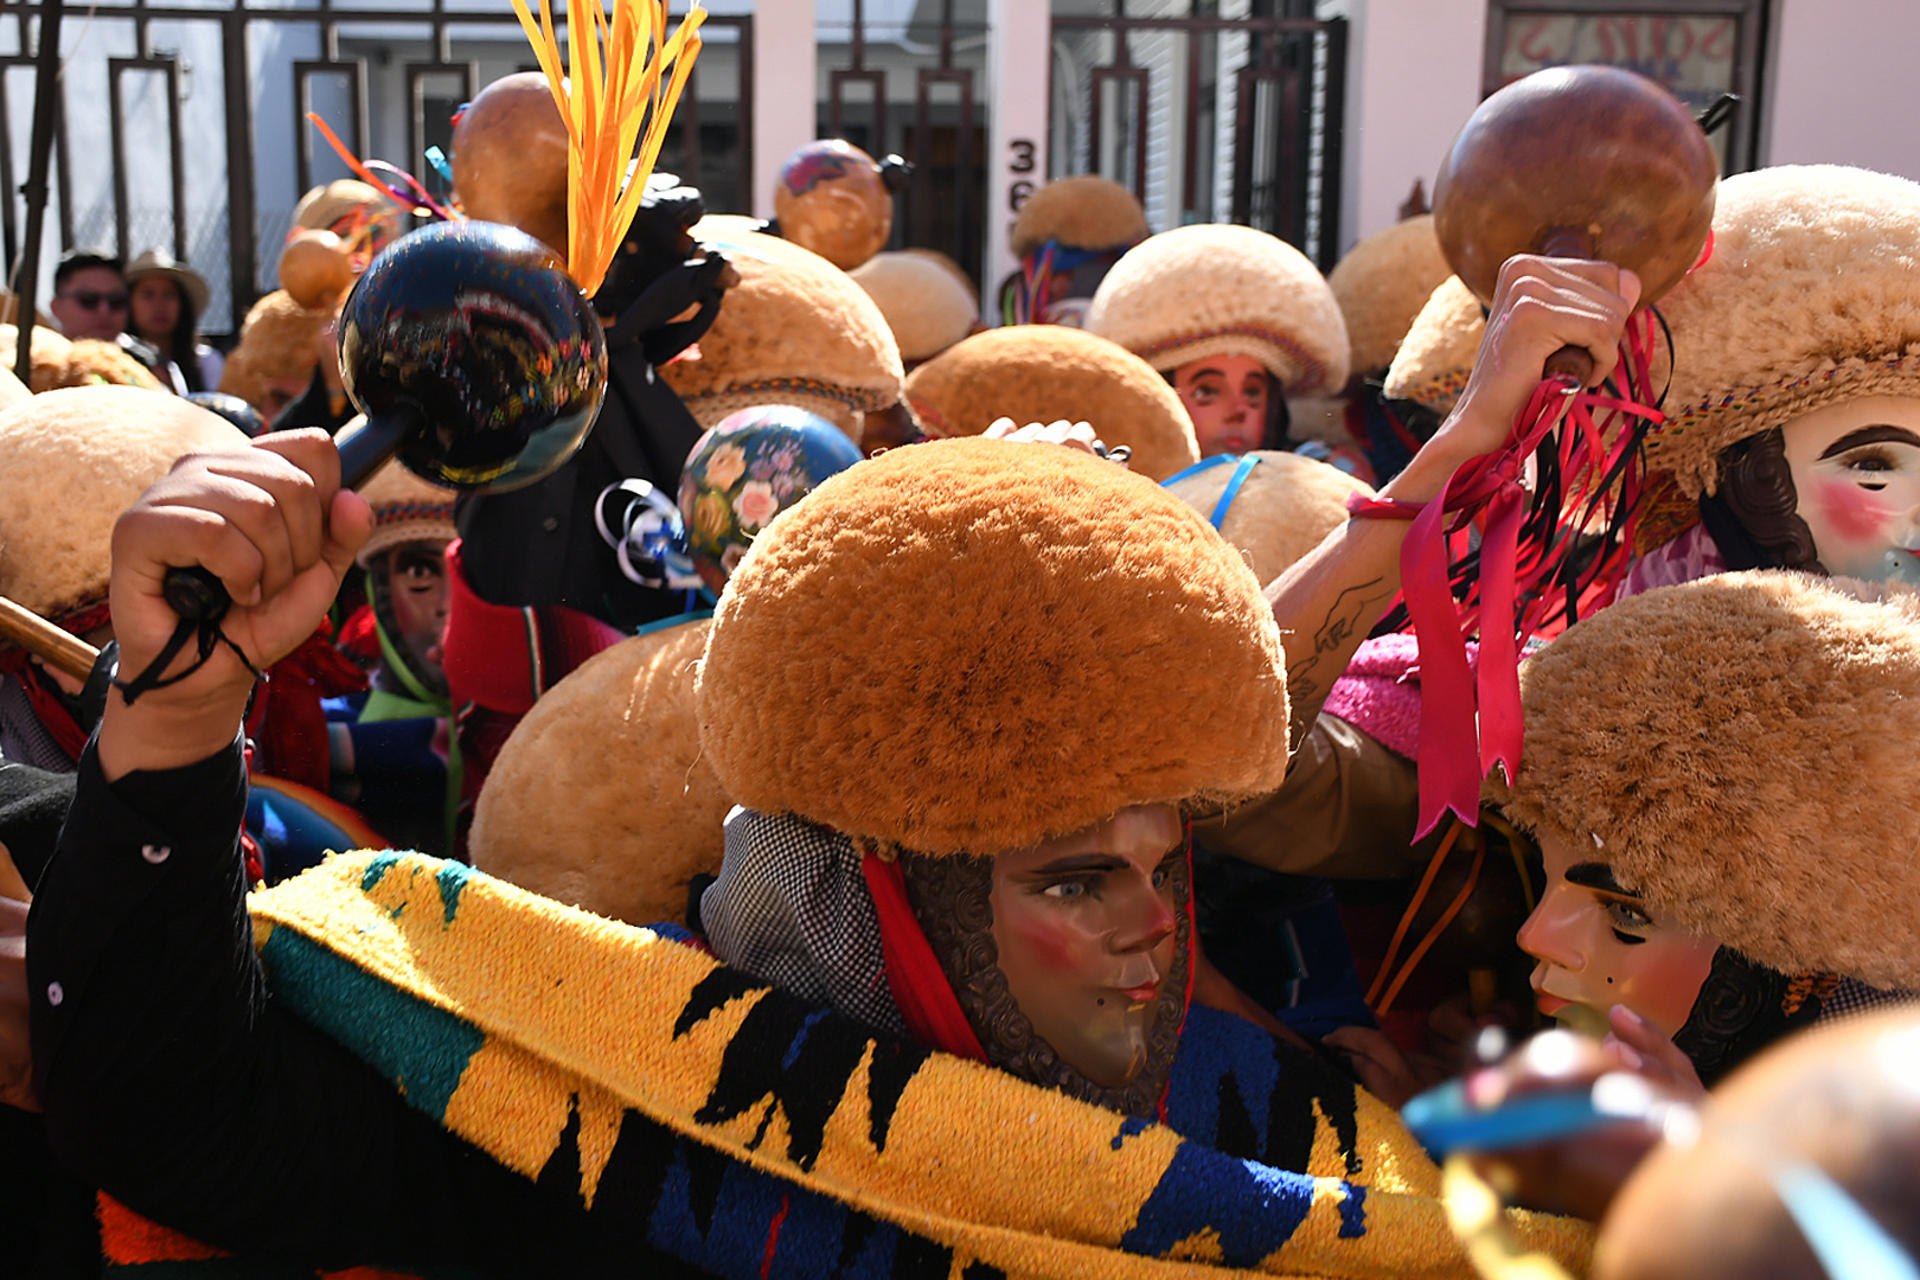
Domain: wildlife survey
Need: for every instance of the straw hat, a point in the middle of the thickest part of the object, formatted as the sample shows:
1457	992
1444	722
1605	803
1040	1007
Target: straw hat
324	207
159	263
405	509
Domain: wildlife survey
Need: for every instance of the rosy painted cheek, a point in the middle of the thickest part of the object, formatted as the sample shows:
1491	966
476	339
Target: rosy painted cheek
1851	513
1050	944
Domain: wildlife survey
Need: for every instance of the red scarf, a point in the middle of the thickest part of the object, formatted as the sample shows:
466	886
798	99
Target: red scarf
920	987
288	724
49	708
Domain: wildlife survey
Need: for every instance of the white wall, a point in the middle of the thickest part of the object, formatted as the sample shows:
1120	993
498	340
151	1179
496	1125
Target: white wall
1018	66
785	62
1413	78
1841	91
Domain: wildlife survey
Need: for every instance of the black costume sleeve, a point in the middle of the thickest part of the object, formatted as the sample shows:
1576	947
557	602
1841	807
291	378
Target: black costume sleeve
33	802
538	546
172	1080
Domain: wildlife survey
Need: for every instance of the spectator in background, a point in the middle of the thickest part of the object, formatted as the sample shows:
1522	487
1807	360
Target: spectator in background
166	301
89	295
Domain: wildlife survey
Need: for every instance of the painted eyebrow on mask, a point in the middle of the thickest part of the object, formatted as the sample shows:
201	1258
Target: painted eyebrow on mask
1882	434
1597	875
1071	863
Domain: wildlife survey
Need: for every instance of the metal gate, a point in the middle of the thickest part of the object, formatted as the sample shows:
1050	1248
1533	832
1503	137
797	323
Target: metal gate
183	124
1207	112
941	127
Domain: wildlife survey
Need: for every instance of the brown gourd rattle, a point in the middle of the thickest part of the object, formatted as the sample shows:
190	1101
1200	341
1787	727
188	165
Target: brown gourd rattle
1577	162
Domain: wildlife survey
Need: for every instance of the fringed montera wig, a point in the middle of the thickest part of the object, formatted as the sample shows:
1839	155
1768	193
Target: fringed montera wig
1046	373
796	330
1280	507
1740	750
1202	291
601	798
1085	212
74	460
969	646
1381	285
1436	357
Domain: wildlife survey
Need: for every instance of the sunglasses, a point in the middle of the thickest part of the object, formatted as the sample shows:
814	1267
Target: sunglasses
91	301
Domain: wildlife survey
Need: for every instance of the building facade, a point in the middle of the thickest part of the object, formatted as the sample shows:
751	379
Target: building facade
182	123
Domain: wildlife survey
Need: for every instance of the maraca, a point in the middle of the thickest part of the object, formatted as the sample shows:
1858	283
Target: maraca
475	359
834	200
1577	162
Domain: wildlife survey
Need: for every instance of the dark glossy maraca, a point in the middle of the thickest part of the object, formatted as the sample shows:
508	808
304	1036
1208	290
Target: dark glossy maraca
1577	162
476	360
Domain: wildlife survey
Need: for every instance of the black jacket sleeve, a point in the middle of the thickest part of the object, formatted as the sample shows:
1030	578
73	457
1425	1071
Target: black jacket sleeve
172	1080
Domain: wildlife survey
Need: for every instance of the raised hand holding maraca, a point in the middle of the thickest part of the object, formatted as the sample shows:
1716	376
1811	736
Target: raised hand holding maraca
272	523
1540	305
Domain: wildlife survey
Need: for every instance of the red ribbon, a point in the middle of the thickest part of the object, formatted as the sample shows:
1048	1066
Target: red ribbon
1470	721
1362	504
920	987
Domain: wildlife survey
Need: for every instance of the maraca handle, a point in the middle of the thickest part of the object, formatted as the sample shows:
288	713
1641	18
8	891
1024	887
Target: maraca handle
1575	364
366	445
196	595
49	643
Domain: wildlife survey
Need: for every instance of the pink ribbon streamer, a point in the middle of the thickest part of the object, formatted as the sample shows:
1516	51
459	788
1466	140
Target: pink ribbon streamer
1469	721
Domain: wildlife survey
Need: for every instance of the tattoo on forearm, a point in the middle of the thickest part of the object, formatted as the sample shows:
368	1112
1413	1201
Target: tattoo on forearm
1307	684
